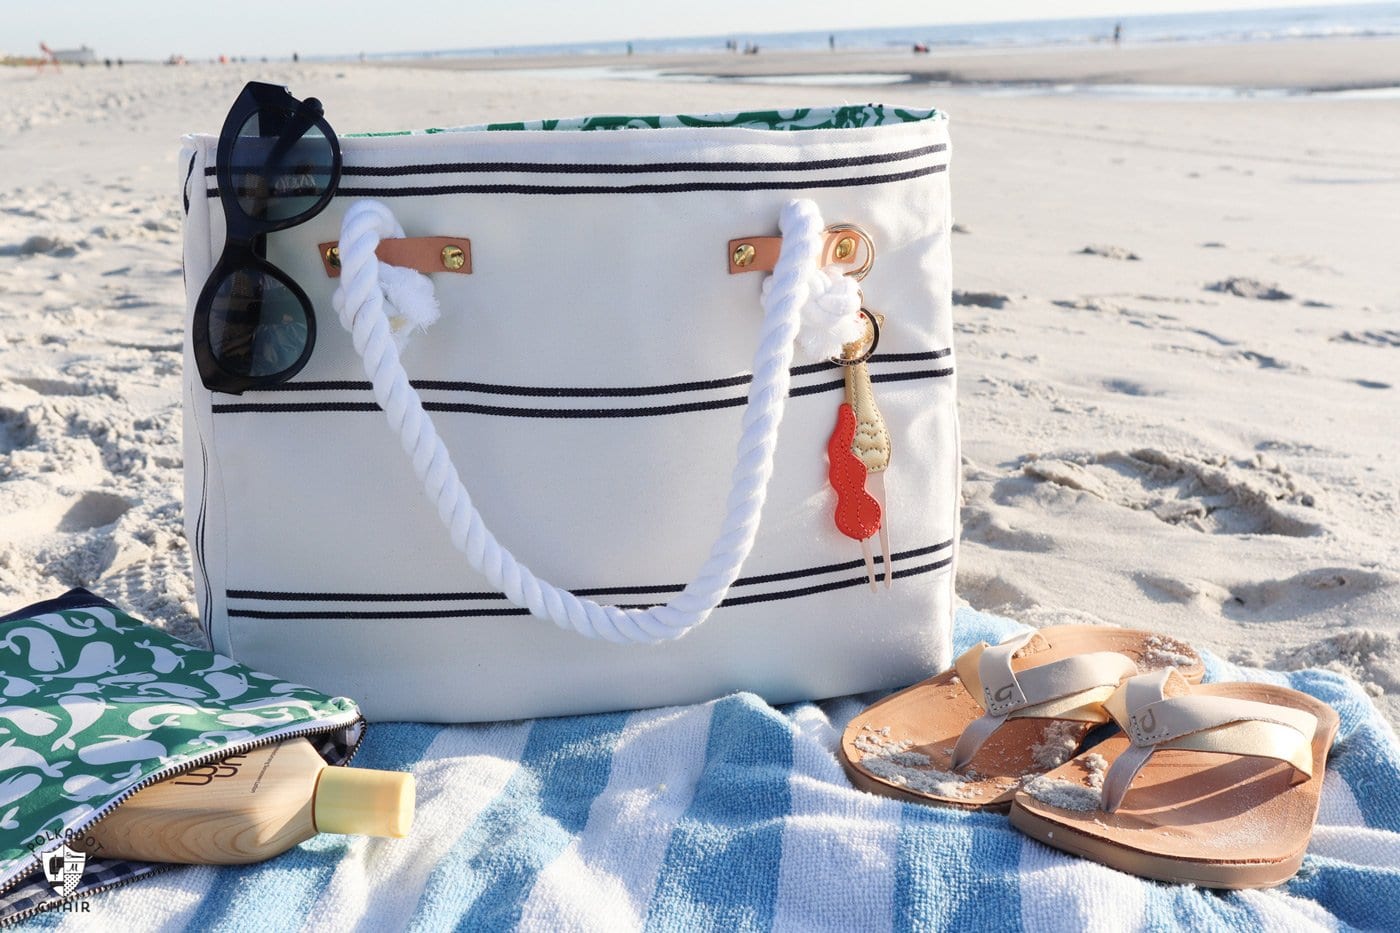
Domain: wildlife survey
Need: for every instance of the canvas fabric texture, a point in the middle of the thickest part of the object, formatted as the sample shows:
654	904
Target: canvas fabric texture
96	703
588	378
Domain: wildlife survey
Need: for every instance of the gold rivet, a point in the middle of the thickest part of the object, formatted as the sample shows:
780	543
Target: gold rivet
453	257
845	247
744	255
333	256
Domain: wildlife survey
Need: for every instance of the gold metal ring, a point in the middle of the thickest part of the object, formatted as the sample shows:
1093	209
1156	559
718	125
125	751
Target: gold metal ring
874	330
864	270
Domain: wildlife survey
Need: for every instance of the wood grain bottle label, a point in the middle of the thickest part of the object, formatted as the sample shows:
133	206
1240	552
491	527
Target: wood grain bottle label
253	806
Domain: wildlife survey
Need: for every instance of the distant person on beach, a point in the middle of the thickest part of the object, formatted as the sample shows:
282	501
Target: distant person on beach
296	57
920	48
629	48
1117	33
831	41
48	58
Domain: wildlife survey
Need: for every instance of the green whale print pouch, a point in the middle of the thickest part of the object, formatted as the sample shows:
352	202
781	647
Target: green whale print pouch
94	706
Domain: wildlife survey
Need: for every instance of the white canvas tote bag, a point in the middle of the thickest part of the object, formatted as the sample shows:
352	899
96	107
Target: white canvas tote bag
612	291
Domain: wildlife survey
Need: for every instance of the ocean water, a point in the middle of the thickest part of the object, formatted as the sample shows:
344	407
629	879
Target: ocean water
1372	19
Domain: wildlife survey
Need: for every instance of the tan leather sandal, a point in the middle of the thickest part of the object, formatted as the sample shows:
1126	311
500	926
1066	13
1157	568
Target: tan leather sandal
1215	785
1003	713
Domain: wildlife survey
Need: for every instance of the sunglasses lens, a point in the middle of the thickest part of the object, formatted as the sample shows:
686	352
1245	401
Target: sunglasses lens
257	325
282	164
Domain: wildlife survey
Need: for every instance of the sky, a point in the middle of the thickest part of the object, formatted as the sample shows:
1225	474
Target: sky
154	29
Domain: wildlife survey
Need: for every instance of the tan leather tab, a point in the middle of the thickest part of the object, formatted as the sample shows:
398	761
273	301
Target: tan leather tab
761	254
425	254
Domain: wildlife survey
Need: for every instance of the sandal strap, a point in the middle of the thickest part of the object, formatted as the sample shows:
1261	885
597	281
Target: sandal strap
987	674
1072	688
1158	711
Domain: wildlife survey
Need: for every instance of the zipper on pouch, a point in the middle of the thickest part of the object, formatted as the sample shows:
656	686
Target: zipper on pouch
354	721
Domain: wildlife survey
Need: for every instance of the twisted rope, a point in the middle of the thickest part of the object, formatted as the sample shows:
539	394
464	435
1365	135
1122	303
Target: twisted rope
359	302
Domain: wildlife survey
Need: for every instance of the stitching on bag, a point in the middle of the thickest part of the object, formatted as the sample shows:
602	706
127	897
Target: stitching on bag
188	175
217	500
673	188
563	413
486	388
206	622
272	596
623	168
731	601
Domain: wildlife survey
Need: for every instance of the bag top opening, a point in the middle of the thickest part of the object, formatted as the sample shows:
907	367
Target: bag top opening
800	118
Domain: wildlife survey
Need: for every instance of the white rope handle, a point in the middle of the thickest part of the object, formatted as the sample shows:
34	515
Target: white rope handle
359	301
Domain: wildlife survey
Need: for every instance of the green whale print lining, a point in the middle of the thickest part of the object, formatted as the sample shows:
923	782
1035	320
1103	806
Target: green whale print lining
800	118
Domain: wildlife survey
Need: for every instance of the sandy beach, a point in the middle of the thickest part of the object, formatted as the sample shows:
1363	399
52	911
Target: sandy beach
1333	65
1178	320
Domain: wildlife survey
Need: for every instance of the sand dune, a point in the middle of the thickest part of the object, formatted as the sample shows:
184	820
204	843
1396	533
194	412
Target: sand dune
1198	439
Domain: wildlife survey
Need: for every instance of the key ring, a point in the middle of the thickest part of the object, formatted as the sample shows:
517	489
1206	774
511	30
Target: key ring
873	330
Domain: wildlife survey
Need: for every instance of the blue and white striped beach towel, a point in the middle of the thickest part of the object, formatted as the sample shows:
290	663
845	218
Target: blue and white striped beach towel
735	815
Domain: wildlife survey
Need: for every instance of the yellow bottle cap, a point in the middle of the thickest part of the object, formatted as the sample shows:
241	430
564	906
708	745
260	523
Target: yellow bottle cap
359	801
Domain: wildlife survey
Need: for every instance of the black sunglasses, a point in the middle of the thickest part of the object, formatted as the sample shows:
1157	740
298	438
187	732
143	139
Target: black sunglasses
278	166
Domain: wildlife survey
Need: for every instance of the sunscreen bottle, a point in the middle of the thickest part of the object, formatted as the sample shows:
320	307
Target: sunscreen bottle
251	807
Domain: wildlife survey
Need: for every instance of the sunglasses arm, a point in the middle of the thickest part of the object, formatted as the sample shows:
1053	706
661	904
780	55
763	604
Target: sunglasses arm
306	114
